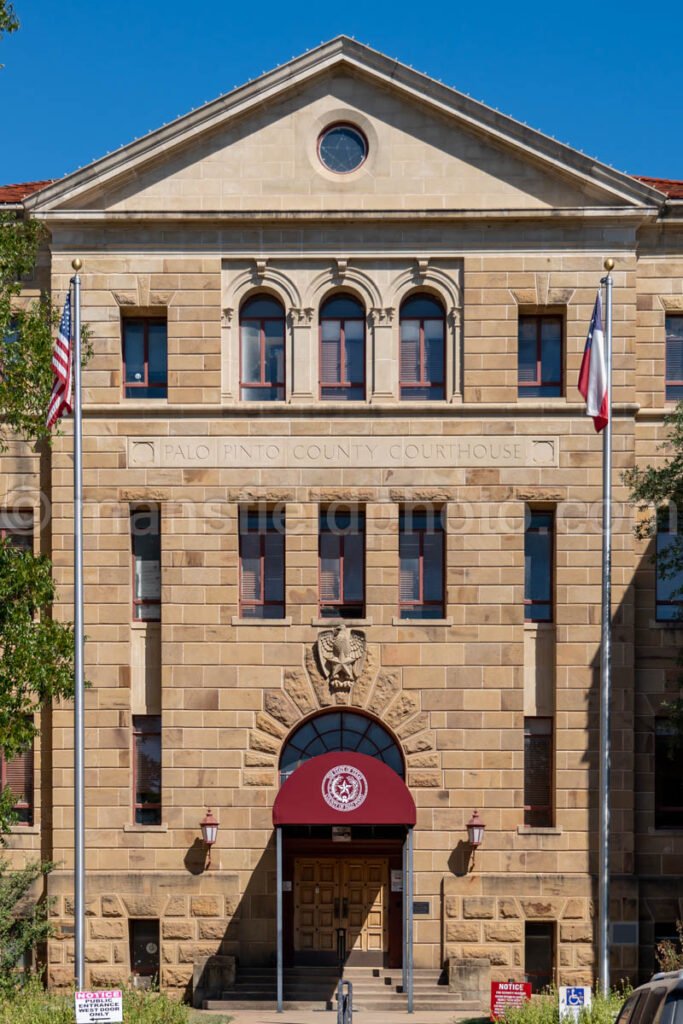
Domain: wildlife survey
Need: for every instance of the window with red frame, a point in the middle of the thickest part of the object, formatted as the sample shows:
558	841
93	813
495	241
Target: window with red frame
147	769
262	350
668	567
17	774
668	777
674	357
262	564
146	545
145	357
538	772
421	564
423	349
539	367
17	528
538	566
342	349
342	564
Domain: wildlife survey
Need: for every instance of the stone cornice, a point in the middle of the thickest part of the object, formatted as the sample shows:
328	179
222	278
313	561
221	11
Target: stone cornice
639	215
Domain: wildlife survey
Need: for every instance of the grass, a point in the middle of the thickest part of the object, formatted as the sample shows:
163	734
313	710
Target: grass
33	1005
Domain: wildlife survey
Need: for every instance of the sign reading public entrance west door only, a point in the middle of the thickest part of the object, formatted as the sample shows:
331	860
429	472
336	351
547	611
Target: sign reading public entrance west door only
573	999
99	1007
505	994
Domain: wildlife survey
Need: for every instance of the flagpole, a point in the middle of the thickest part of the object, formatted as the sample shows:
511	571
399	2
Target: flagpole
79	732
605	658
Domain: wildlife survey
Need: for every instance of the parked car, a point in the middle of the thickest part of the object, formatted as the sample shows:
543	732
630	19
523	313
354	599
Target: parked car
659	1000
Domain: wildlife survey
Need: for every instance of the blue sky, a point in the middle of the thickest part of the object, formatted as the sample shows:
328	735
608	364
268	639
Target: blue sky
82	77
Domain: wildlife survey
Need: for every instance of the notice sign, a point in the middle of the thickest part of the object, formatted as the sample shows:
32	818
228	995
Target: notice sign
573	999
508	993
99	1007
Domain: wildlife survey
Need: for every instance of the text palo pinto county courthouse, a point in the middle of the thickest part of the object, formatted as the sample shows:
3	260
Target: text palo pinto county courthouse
343	550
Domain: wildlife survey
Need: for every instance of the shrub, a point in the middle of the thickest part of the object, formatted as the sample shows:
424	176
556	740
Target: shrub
669	954
23	922
33	1005
545	1009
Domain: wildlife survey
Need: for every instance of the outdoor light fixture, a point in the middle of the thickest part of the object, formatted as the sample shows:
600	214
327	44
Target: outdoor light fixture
475	833
209	827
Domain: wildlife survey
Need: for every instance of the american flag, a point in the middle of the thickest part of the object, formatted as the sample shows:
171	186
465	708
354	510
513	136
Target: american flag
60	399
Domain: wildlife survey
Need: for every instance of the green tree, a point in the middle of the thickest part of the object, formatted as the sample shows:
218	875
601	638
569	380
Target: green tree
657	492
8	19
36	663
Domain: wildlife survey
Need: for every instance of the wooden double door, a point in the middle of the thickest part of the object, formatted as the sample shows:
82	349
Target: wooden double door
348	895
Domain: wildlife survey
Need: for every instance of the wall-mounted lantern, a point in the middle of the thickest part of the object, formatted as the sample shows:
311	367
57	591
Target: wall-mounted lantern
209	827
475	833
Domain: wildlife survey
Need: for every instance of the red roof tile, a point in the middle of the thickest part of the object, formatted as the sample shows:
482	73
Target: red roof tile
15	193
671	188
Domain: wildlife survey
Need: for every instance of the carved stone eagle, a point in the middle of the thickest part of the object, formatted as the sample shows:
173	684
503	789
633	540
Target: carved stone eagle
341	653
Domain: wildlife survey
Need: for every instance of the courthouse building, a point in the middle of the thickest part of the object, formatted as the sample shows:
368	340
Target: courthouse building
343	547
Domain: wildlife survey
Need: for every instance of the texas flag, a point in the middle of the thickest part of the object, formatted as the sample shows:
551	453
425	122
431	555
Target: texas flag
593	372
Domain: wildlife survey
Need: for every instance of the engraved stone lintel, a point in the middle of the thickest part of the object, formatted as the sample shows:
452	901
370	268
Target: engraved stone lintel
312	451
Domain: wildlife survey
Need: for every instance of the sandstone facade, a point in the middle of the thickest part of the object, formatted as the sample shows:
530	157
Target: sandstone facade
494	221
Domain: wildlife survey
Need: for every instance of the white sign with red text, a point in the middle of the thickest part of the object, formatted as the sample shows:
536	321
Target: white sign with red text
99	1007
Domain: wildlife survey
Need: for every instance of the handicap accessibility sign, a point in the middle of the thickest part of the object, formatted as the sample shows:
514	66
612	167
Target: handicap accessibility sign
573	999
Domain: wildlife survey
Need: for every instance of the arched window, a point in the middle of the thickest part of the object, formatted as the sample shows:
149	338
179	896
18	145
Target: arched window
262	350
423	349
342	349
340	730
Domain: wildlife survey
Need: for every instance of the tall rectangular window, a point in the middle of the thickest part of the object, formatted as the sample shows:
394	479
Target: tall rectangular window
539	360
539	954
342	563
669	568
262	564
674	357
421	564
538	566
146	545
538	772
147	769
17	527
143	936
145	357
668	777
17	774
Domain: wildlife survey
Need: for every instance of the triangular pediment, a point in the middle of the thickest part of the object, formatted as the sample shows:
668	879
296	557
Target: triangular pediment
255	150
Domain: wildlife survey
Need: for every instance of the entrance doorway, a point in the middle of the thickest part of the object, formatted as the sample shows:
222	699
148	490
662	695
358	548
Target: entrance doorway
341	910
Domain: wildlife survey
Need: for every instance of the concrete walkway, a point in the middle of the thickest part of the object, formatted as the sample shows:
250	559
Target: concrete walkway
330	1017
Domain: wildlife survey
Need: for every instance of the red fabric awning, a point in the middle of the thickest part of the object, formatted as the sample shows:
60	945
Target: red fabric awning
344	789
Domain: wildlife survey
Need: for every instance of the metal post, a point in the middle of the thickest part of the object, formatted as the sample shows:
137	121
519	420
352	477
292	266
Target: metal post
404	922
409	920
605	658
280	958
79	732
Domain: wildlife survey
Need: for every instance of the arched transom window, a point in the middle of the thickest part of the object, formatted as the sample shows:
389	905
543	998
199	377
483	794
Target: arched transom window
340	730
423	349
342	349
262	350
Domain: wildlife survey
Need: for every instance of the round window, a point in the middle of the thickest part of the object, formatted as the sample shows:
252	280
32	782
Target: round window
342	148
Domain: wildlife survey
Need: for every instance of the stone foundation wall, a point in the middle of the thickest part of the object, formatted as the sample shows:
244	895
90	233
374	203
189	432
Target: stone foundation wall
196	918
484	918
